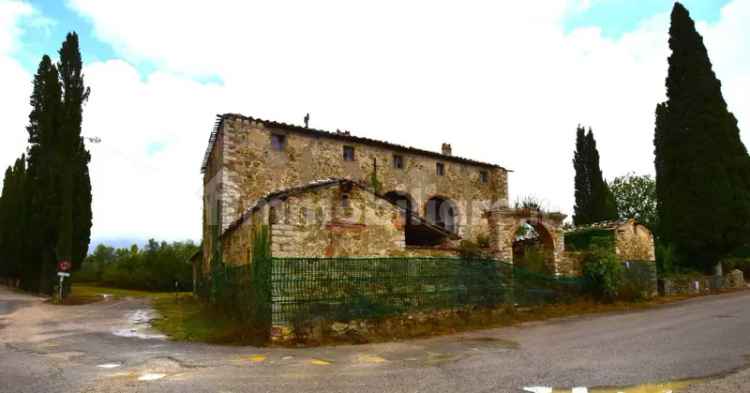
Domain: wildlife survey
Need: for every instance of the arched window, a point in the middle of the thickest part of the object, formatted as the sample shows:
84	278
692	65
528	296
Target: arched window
442	212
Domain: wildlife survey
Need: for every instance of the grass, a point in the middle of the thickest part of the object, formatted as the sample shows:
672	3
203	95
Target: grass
91	293
183	317
186	318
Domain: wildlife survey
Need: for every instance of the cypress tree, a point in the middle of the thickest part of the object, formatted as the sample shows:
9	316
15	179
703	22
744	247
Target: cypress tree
594	200
5	223
75	219
702	167
12	220
582	180
44	164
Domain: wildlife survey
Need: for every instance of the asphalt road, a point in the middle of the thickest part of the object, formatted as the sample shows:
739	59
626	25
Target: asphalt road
107	347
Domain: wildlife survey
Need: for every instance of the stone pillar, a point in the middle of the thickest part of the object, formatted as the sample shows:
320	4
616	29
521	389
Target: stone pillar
503	224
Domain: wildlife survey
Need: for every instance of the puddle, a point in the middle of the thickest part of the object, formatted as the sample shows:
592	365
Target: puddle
139	326
109	365
151	376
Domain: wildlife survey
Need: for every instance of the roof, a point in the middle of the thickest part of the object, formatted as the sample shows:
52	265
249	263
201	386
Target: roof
336	135
280	194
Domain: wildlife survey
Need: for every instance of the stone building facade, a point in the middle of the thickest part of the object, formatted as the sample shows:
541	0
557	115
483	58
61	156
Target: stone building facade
441	198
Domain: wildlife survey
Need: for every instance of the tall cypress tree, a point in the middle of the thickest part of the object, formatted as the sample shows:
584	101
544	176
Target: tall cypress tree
582	208
13	220
702	167
75	219
594	200
44	164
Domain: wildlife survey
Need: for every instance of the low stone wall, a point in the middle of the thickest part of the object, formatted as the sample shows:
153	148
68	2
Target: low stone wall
409	325
701	285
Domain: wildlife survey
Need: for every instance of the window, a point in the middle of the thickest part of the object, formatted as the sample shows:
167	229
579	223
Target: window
484	177
348	153
278	141
398	161
440	169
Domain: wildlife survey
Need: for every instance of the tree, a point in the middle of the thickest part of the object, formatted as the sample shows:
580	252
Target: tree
594	200
635	197
76	216
44	129
13	220
702	167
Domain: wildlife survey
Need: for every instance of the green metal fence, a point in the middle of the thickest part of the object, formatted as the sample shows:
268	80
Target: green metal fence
363	288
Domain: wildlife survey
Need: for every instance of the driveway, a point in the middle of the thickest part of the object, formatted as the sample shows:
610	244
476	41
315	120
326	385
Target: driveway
109	347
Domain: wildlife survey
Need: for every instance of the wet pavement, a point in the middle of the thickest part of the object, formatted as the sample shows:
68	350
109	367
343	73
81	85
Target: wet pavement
110	347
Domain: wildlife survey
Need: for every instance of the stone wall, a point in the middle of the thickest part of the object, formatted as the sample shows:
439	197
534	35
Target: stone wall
701	285
634	242
250	168
408	325
317	224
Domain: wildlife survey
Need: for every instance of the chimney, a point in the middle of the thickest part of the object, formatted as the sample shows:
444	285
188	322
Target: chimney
447	149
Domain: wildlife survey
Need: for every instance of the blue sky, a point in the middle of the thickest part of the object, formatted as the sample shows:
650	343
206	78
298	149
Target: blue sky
616	17
43	35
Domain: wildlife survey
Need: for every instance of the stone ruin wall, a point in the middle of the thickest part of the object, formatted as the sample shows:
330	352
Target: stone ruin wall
634	242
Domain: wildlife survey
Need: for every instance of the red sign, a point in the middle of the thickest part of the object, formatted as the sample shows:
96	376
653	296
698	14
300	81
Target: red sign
64	266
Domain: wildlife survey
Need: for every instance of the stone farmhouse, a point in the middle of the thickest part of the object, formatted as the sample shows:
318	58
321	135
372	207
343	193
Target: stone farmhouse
335	194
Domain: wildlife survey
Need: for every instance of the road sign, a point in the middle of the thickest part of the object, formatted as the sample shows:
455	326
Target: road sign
63	274
64	266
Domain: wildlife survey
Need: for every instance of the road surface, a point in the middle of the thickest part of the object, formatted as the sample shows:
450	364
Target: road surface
109	347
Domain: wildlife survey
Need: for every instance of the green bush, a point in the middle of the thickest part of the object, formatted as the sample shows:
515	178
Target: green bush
638	281
603	274
156	267
589	239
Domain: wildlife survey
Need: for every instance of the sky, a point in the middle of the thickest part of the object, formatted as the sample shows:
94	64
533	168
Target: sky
502	82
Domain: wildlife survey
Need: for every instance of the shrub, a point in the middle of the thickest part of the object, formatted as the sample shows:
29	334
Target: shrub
471	250
603	274
535	260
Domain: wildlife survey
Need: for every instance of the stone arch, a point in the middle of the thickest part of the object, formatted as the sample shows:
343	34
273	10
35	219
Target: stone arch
504	223
533	246
443	212
403	200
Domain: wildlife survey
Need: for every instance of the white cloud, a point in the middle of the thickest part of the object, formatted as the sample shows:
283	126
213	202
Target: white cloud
15	85
502	84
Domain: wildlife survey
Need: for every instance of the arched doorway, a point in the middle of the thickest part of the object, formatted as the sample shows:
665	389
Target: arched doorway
534	247
442	212
402	200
